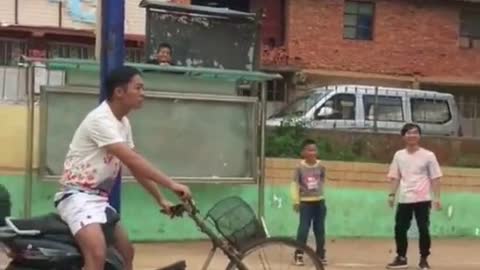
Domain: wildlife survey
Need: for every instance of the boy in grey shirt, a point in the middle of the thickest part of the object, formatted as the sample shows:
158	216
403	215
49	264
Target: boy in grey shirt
307	194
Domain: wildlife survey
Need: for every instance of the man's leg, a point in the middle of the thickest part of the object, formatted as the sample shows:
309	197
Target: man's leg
403	219
91	241
422	215
123	245
319	228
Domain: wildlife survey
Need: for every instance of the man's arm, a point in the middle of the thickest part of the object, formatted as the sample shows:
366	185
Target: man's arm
435	173
152	188
394	183
105	134
394	178
436	189
140	167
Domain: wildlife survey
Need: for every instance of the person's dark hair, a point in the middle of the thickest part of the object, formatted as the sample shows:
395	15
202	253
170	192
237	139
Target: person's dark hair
307	142
409	126
119	77
164	45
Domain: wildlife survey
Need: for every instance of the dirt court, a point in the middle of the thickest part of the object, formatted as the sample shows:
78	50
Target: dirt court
342	254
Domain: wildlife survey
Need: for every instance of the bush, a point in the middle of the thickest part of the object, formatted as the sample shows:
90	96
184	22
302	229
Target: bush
285	142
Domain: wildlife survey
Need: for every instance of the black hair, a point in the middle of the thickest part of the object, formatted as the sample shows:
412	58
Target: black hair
164	45
307	142
119	77
409	126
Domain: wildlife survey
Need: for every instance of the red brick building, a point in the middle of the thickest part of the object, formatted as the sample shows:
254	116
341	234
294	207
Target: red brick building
429	42
412	43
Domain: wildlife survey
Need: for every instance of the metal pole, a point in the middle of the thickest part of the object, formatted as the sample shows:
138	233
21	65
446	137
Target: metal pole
261	178
29	85
375	112
111	57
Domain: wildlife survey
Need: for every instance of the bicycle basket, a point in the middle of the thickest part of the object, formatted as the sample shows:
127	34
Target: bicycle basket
236	221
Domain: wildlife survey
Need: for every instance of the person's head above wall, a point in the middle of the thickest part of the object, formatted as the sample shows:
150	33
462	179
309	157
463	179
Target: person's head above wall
164	54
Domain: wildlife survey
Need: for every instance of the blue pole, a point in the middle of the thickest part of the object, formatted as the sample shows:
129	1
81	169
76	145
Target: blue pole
111	57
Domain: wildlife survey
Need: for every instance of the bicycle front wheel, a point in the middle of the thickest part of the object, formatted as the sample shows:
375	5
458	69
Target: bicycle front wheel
277	253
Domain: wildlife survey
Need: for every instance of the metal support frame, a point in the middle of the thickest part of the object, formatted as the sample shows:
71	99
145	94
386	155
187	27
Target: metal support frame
261	175
30	87
250	102
111	57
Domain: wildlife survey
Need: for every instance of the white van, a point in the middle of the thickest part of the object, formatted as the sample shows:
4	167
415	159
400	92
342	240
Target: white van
371	108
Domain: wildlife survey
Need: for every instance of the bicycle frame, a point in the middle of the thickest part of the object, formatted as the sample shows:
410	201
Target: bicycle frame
230	251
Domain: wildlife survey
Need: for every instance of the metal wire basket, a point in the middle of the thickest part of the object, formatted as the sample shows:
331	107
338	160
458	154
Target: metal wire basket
236	221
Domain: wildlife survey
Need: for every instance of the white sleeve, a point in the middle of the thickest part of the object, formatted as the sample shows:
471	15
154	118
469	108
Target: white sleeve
103	131
129	134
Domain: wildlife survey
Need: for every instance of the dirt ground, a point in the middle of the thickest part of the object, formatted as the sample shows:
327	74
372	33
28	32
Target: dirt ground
342	254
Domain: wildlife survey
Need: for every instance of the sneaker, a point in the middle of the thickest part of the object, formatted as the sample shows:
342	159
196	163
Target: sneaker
398	263
423	265
323	261
299	260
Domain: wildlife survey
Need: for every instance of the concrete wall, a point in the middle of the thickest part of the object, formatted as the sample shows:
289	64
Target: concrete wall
356	196
409	38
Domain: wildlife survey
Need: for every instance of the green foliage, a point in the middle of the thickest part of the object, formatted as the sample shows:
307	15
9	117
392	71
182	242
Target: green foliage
285	141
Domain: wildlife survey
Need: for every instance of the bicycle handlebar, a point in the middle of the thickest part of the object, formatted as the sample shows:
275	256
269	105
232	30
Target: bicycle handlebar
188	206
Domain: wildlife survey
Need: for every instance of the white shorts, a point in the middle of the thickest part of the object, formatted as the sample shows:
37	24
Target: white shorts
81	209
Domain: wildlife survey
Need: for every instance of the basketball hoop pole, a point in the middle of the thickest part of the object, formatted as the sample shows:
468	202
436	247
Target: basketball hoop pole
111	56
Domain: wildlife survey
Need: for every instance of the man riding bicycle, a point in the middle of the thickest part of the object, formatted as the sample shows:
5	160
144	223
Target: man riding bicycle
101	144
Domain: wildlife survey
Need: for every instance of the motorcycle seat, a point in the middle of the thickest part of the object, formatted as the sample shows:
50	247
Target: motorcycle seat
45	224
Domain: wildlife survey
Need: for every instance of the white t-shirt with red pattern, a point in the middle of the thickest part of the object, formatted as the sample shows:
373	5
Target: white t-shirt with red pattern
88	166
415	171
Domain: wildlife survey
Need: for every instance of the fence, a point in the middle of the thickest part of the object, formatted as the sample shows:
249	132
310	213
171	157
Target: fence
13	81
385	110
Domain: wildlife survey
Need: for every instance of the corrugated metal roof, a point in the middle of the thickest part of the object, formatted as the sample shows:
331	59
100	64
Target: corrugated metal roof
196	9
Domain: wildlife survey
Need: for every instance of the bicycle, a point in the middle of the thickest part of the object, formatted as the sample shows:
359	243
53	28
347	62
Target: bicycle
241	234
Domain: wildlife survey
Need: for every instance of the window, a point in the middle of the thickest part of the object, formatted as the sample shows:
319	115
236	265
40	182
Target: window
276	90
301	105
11	50
470	29
135	55
430	111
71	50
384	108
358	20
339	107
240	5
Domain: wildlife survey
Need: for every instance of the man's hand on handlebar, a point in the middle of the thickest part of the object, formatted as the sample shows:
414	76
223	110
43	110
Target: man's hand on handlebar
182	191
166	206
173	211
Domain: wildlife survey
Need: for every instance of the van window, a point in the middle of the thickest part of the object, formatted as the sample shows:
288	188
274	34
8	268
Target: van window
430	111
388	108
301	105
340	107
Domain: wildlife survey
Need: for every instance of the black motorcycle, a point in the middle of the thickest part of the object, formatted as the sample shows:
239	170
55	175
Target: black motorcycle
45	242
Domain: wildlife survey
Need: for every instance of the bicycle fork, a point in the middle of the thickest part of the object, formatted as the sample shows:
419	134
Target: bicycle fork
238	262
209	258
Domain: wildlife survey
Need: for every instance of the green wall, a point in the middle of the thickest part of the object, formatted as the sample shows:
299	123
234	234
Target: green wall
351	212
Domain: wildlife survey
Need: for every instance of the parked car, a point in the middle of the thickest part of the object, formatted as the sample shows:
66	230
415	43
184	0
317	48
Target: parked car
371	108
